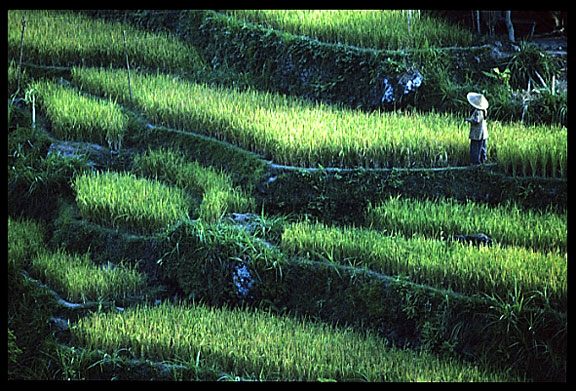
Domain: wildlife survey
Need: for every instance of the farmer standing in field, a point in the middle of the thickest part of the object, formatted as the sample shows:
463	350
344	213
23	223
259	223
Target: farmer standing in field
478	128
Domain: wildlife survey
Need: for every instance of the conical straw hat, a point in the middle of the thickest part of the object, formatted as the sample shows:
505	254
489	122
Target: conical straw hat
477	100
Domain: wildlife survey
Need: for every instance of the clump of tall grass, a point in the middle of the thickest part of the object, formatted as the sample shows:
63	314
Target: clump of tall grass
293	131
450	265
79	279
217	189
124	200
376	29
78	117
256	344
57	37
506	224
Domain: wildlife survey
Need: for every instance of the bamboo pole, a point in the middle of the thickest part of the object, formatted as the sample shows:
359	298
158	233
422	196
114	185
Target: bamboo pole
21	52
33	110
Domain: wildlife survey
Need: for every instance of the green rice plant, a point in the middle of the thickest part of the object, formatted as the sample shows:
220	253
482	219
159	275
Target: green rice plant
463	268
258	345
545	156
218	192
25	241
78	117
561	155
124	200
13	77
543	148
287	130
79	279
293	131
58	37
377	29
214	205
506	224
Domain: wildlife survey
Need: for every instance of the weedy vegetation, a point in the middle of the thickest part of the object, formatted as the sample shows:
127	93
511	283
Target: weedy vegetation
25	241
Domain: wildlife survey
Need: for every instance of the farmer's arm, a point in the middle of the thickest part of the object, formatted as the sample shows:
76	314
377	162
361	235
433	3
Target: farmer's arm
475	118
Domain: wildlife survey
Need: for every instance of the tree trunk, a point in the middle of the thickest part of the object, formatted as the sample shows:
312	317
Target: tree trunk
509	25
478	20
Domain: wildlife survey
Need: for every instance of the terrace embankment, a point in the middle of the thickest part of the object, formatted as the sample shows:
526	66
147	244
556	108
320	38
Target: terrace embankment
334	194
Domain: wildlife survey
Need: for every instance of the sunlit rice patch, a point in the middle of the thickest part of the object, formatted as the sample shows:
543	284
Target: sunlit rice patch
444	264
61	37
257	344
507	224
219	194
77	278
78	117
375	29
293	131
124	200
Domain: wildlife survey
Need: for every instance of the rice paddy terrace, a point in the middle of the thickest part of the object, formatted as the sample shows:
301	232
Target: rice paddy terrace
185	203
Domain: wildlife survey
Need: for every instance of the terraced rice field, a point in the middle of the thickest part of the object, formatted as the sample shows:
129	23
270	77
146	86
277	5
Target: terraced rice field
295	132
151	226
